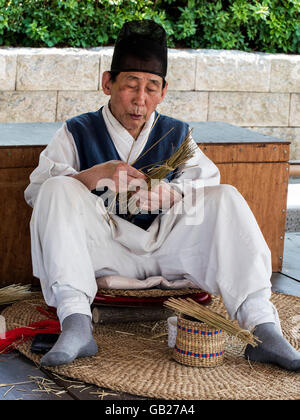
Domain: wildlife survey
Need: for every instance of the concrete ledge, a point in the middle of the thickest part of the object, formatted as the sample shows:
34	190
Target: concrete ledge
40	134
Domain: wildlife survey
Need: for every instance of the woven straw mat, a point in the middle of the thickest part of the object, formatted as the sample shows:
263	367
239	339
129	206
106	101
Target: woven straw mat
135	358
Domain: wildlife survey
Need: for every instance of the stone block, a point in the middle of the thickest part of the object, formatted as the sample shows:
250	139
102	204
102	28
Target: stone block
295	110
181	70
185	106
220	70
70	104
249	108
285	73
27	106
57	69
105	62
8	66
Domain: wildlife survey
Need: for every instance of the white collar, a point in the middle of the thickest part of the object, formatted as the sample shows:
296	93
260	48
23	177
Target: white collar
122	139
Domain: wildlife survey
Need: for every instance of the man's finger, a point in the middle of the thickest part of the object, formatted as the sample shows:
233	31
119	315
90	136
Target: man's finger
133	172
135	184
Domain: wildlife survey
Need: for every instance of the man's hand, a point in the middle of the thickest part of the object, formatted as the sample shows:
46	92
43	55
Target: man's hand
120	177
114	174
162	196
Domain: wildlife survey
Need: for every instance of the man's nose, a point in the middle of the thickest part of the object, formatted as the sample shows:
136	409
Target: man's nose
140	97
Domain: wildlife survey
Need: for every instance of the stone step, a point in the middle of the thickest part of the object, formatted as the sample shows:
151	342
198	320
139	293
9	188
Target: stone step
292	220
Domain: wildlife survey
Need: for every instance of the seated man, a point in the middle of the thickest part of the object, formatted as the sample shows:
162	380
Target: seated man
75	244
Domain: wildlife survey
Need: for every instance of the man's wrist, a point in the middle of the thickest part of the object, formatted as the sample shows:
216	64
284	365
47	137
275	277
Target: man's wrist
90	177
86	178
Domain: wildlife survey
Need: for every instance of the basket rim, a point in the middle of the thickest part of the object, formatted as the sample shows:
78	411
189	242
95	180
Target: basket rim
199	325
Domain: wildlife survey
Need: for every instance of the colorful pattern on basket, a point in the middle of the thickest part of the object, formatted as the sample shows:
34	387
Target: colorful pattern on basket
189	353
199	331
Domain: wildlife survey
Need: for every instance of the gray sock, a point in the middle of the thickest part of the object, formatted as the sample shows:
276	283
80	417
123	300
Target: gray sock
75	340
274	348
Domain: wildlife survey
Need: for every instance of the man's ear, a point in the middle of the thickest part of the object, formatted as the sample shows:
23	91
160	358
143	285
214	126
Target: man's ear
164	92
106	83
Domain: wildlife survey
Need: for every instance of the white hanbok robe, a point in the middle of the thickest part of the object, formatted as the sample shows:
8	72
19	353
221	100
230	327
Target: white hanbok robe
74	243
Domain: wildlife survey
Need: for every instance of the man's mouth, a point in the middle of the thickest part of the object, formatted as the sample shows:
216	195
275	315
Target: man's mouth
136	116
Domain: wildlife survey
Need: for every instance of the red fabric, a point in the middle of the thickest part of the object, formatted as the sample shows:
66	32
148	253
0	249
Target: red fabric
12	338
50	313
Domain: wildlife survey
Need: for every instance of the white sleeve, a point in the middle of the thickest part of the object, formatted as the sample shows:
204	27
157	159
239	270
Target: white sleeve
60	157
199	167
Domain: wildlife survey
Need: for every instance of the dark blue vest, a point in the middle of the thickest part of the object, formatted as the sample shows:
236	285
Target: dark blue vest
94	146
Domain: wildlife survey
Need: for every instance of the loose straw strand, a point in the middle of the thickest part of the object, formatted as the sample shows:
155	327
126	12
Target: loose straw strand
147	138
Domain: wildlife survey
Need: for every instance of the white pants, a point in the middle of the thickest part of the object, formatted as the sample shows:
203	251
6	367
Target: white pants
73	243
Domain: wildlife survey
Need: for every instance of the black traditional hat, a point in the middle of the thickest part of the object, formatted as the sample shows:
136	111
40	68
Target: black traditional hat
141	46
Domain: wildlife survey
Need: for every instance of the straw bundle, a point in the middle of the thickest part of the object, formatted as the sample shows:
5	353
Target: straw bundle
160	171
178	158
14	293
191	308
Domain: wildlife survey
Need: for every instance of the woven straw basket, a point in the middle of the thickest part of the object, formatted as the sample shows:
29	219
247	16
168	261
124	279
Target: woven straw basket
198	344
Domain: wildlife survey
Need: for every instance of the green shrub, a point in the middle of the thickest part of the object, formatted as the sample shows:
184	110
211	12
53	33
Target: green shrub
266	25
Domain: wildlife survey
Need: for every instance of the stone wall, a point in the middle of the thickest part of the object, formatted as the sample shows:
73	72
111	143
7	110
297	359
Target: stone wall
254	90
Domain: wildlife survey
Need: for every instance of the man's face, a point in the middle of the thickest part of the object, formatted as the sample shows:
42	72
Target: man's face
133	98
